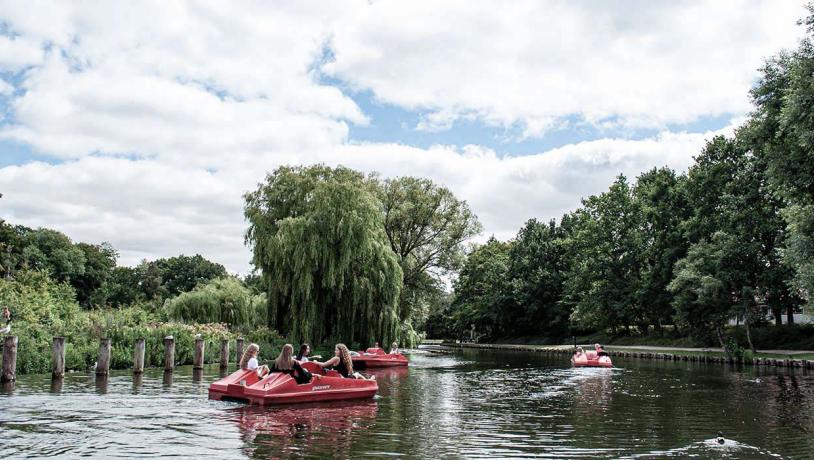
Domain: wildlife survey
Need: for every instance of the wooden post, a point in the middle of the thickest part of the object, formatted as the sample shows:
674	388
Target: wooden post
198	355
58	358
103	364
224	353
9	359
239	349
138	356
169	353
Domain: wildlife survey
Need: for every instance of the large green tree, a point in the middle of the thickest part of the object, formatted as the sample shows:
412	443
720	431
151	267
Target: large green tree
317	234
781	131
603	282
538	263
426	226
481	290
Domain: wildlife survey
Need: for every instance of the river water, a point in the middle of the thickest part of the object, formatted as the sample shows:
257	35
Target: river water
445	405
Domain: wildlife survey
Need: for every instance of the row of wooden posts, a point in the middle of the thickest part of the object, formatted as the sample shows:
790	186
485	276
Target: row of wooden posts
9	372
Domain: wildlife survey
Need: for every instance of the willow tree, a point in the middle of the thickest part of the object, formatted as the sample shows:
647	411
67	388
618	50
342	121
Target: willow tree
317	234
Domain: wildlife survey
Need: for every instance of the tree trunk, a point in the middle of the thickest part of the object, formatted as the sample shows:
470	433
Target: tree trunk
749	336
790	315
778	316
720	333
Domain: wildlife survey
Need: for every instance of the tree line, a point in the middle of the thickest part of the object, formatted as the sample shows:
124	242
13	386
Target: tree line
733	237
92	270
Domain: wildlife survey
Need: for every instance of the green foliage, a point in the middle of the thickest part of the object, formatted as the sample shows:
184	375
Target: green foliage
426	226
603	283
44	308
223	300
317	234
538	262
480	290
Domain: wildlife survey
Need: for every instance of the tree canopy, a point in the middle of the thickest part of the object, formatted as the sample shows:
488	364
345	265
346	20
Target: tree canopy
317	234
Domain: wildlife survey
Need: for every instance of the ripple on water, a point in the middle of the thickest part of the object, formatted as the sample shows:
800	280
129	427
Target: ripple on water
477	405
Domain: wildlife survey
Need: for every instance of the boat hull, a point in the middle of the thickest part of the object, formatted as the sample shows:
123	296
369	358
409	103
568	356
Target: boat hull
233	386
280	388
591	359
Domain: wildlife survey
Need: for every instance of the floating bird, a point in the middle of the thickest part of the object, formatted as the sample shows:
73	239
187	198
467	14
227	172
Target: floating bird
720	439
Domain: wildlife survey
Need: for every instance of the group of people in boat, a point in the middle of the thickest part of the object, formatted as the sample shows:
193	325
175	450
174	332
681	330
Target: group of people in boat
289	363
599	349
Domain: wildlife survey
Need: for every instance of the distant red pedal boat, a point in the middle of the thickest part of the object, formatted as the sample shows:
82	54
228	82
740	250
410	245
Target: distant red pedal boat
279	388
590	359
376	357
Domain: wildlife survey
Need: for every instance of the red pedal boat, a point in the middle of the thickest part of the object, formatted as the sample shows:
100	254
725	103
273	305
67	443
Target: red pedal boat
231	387
590	359
376	357
279	388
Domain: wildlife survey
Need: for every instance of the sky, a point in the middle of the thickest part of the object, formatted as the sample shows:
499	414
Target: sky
143	123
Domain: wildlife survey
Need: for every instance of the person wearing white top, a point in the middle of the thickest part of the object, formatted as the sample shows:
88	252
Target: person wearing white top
249	361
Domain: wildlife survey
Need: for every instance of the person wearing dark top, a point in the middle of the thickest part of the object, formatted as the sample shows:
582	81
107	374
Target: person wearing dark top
600	350
286	364
342	363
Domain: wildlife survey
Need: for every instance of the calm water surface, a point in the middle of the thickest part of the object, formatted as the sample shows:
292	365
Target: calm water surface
461	404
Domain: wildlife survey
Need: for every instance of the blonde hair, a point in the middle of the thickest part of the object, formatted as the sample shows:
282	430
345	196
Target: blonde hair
345	355
285	361
244	360
394	345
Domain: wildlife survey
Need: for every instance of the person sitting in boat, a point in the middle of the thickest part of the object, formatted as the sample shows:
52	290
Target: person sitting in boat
305	353
600	350
579	353
394	348
342	363
249	361
286	364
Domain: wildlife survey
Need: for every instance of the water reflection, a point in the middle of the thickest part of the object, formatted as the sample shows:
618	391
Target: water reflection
56	385
138	381
167	380
197	375
473	404
312	429
594	391
101	384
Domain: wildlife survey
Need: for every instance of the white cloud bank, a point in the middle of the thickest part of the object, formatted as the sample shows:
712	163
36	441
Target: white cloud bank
163	114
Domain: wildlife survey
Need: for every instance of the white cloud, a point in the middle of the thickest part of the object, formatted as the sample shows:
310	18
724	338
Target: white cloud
647	64
164	113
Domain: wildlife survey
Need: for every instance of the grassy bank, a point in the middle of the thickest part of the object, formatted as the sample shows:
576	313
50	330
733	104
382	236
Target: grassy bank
768	337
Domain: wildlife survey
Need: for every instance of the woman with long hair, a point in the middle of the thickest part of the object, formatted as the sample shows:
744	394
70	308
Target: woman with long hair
249	361
286	364
304	355
342	363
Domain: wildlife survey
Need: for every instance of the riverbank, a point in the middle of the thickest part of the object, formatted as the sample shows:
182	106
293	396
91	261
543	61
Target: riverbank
775	358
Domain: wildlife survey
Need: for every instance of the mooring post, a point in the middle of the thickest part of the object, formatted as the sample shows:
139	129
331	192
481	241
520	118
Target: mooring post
224	353
198	355
103	363
239	349
9	359
169	353
138	356
58	358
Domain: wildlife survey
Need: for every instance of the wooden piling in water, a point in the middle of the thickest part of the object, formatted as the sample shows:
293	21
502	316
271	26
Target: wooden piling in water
169	353
224	353
103	363
58	358
138	356
9	359
198	354
239	349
